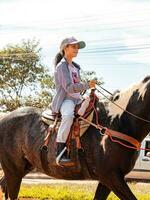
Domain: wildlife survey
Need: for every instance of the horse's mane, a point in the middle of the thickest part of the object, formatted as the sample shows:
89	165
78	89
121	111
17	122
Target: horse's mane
2	115
140	86
122	97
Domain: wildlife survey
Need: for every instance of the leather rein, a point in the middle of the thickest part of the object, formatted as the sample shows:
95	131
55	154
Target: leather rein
111	133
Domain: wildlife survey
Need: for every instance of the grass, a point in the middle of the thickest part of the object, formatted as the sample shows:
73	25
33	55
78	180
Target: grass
75	192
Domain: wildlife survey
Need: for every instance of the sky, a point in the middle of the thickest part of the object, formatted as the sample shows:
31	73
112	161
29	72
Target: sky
117	34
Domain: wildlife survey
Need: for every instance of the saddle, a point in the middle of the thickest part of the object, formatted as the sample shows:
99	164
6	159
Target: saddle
51	119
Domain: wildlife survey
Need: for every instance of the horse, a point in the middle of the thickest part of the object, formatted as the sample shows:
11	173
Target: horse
105	159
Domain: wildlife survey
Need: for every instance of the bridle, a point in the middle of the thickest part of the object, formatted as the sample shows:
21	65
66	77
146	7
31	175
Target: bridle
117	105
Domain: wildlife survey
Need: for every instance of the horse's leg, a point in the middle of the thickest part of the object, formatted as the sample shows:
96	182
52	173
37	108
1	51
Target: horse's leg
13	185
120	188
102	192
6	193
14	174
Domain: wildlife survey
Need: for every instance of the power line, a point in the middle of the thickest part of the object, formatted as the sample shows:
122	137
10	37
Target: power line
91	50
101	17
123	46
114	50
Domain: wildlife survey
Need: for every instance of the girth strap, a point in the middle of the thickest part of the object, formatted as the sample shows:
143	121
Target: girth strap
44	148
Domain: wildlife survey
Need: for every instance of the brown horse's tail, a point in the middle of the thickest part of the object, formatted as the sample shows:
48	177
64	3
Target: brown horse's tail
3	186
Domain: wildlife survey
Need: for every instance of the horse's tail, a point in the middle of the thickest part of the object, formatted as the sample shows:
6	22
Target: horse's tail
3	186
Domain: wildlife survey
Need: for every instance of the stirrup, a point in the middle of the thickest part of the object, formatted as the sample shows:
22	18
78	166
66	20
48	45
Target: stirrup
63	162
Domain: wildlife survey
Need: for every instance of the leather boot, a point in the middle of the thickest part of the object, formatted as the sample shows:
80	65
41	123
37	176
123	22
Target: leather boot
61	154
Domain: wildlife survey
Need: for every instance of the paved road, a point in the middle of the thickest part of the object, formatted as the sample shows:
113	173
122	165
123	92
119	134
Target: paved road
139	175
36	178
42	178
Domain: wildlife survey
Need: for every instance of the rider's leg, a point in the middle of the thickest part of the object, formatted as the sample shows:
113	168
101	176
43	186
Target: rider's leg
67	112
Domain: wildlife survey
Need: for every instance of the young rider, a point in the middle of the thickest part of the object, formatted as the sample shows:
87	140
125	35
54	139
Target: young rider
68	87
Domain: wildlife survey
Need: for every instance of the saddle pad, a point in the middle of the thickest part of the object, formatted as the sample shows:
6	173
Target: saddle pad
83	125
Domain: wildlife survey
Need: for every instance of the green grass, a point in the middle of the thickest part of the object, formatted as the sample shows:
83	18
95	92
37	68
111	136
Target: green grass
75	192
55	193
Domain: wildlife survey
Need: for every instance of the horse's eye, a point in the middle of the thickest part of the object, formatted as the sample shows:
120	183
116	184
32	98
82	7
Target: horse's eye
116	98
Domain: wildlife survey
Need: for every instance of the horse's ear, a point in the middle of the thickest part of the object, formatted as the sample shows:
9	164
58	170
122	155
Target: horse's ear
100	107
147	78
102	110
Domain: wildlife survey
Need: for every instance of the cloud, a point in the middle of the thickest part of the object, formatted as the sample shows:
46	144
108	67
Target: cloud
29	11
141	44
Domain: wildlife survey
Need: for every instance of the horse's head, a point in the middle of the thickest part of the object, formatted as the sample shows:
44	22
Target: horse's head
135	100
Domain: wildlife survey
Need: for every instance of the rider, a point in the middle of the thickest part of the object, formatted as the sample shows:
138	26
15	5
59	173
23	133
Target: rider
68	88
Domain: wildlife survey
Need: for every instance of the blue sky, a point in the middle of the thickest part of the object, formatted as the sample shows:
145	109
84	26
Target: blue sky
117	33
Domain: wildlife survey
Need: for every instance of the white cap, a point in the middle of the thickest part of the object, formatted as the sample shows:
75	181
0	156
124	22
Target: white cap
72	40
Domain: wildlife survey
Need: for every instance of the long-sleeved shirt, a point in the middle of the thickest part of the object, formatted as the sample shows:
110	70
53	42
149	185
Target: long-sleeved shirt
64	86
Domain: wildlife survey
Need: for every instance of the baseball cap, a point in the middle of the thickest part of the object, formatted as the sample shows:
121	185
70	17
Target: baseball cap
72	40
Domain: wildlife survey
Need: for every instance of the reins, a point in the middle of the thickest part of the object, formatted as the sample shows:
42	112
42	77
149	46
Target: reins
140	118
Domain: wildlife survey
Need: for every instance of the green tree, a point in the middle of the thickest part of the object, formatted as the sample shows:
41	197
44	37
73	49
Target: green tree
23	79
88	75
43	96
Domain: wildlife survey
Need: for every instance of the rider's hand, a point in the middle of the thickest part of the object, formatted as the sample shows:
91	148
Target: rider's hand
92	83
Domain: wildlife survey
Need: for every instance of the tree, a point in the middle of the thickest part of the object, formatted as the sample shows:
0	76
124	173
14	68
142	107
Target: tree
22	76
88	75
